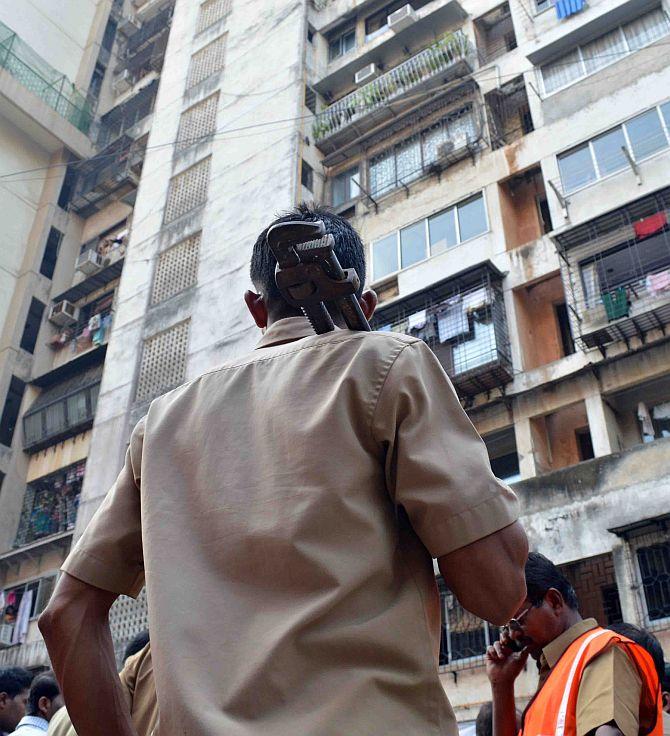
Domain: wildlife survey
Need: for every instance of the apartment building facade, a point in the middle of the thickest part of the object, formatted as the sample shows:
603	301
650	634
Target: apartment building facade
506	165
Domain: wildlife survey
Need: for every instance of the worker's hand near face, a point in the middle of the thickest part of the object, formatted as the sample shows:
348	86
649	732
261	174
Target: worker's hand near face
503	664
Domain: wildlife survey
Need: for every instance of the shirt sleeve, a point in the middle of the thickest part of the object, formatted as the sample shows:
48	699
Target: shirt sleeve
109	553
437	467
609	690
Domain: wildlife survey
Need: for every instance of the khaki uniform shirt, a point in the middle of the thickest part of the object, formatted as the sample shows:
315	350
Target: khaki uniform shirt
610	687
284	509
138	686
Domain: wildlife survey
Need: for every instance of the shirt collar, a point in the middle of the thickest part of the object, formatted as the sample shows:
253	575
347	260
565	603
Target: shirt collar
556	648
35	722
288	329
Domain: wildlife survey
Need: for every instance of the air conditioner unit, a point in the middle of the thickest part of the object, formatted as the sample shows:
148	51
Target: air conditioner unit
89	262
63	314
129	25
444	149
365	74
401	18
123	82
6	632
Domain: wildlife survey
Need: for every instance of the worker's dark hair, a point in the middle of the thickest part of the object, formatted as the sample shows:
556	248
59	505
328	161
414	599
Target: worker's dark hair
542	574
136	644
14	680
484	722
44	686
348	249
665	680
646	640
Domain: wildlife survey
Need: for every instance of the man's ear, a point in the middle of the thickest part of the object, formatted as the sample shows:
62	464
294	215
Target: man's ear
368	301
43	705
555	600
4	697
257	308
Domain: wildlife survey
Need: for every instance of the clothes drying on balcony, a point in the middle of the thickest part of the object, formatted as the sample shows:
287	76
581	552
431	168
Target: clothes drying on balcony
658	282
417	320
452	320
566	8
650	225
616	303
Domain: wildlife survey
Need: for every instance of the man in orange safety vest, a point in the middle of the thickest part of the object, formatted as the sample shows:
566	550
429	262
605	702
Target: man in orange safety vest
592	681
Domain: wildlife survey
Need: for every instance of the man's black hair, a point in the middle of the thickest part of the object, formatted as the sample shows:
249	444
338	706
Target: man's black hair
14	680
44	686
484	722
348	249
136	644
646	640
542	574
665	680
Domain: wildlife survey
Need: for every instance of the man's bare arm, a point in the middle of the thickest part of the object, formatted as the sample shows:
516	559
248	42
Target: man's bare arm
487	576
75	626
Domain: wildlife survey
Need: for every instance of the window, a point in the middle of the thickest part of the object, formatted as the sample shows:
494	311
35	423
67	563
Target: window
501	448
584	443
307	176
96	81
67	188
506	467
177	269
197	123
654	562
463	635
310	99
445	142
211	12
50	256
207	62
378	22
32	325
345	187
604	50
187	190
642	136
665	111
563	321
542	5
429	237
10	412
40	592
342	44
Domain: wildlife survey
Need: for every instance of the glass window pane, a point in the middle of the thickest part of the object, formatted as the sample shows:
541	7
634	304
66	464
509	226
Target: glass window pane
348	41
562	72
385	256
646	134
604	50
408	160
76	408
413	244
442	231
461	129
334	49
576	168
382	173
344	186
608	151
665	111
646	29
472	218
432	138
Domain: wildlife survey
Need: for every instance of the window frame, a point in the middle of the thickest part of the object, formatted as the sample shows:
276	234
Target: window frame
338	39
36	598
348	173
487	227
657	623
545	95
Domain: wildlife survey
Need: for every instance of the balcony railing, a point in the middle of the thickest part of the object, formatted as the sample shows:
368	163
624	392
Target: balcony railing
453	53
159	24
40	78
61	418
50	505
123	117
148	59
463	320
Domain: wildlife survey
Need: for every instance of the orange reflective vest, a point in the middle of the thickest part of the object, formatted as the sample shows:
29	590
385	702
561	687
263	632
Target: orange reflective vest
553	710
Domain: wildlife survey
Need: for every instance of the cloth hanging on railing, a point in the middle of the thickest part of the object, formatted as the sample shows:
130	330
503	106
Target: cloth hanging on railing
417	320
658	282
23	618
452	320
566	8
650	225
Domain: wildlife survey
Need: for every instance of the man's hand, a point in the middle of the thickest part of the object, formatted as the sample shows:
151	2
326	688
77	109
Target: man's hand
503	665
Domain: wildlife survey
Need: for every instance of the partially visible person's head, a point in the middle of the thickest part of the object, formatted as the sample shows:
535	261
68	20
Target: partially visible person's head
136	644
646	640
484	722
14	689
665	687
349	250
550	607
45	697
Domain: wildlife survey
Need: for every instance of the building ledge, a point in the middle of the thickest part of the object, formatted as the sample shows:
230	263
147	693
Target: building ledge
36	549
79	363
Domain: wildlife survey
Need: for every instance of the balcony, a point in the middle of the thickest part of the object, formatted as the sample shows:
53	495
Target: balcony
124	117
370	105
45	82
462	319
113	174
50	505
62	411
149	59
157	25
616	272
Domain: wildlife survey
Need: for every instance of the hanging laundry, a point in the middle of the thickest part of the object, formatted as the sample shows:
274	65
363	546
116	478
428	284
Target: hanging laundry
650	225
417	320
661	411
94	323
657	282
645	419
566	8
476	299
452	321
616	303
23	618
98	336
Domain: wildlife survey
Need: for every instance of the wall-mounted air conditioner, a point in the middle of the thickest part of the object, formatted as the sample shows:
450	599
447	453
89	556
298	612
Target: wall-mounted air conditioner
401	18
89	262
123	82
6	635
365	74
63	313
444	149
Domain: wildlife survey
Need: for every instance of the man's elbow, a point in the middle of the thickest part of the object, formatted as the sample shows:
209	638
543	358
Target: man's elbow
510	599
51	619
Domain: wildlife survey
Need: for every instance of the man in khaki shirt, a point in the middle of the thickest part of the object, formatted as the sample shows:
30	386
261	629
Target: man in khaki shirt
283	510
609	694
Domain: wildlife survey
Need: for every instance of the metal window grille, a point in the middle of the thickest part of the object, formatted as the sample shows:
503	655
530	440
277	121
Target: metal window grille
211	12
463	635
177	269
187	191
163	361
654	565
197	122
206	62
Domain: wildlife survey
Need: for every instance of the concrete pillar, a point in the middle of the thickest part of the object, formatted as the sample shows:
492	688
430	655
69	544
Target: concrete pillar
627	585
532	446
603	426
